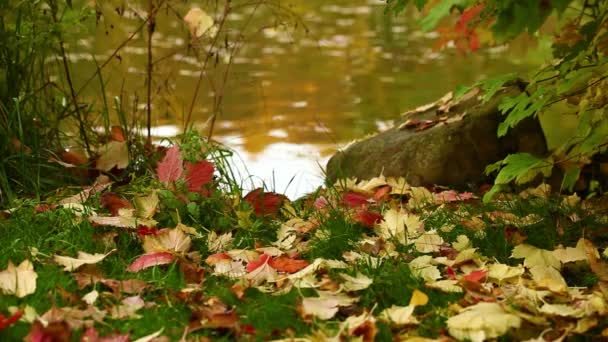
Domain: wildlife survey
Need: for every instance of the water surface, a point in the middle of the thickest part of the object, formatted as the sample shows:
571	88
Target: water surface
292	97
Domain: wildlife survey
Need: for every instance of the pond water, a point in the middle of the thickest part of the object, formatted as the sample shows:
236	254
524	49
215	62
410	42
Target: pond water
292	97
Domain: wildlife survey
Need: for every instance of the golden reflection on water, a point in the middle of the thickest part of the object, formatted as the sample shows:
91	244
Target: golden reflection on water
292	98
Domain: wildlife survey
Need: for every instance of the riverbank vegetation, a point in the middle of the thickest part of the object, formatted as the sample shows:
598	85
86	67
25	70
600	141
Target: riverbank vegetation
120	239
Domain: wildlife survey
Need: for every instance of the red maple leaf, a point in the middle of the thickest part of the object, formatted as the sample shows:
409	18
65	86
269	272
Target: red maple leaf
170	168
265	203
199	174
5	322
286	264
354	199
254	264
368	218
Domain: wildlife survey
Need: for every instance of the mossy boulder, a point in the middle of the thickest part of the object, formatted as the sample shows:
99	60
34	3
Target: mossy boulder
447	142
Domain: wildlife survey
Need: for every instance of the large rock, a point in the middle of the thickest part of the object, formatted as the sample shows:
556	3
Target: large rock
444	143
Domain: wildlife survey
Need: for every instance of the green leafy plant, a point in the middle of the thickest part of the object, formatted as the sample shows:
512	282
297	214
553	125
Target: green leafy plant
574	79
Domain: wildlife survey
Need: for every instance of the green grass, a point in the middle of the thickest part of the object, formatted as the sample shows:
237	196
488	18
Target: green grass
335	235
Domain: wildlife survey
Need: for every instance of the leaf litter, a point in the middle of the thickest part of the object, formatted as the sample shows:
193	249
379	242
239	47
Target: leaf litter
367	260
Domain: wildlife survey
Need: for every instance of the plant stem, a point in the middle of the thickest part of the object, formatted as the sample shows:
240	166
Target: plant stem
68	77
151	27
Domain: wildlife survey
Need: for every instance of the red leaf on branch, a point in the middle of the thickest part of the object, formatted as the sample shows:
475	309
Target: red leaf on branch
5	322
149	260
199	174
171	167
265	203
254	264
114	202
284	263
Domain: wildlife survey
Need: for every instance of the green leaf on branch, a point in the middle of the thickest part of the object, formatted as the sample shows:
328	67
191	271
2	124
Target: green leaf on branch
489	87
521	168
521	107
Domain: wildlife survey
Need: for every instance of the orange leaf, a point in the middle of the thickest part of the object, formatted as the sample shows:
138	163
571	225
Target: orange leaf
287	264
368	218
476	276
253	265
113	202
117	134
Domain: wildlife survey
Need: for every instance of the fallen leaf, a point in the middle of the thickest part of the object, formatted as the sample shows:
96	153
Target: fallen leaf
113	202
149	260
535	256
19	281
419	298
90	297
70	264
254	264
482	321
5	322
265	203
362	326
548	277
446	285
476	276
146	206
218	243
322	308
423	268
114	154
452	196
167	240
198	175
55	332
368	218
428	242
399	315
357	283
91	335
355	200
171	167
501	272
286	264
128	308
